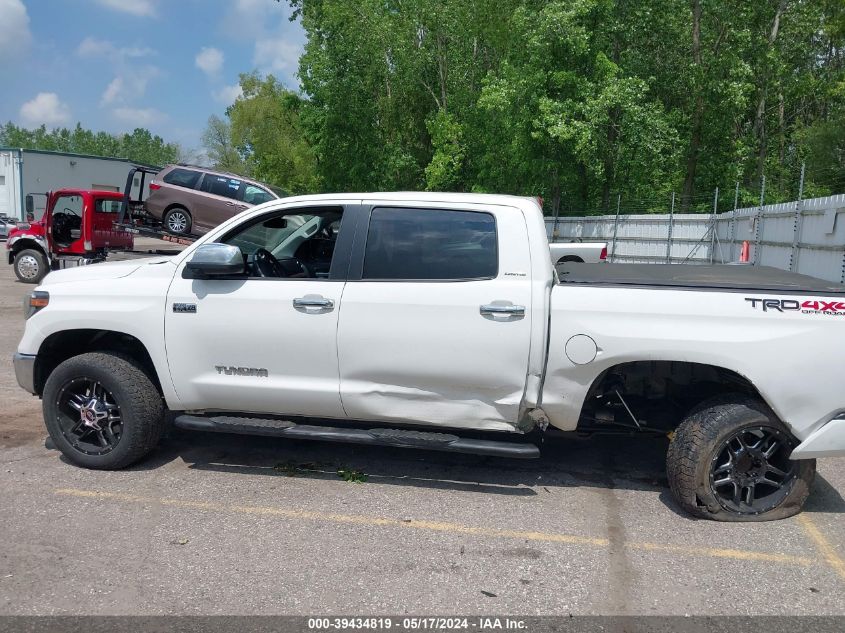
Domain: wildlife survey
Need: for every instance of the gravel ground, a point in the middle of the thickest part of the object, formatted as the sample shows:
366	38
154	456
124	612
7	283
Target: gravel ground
215	524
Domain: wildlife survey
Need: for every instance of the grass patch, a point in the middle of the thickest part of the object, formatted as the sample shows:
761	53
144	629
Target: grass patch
352	476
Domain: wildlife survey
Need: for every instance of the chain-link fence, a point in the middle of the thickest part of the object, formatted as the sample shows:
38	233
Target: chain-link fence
801	235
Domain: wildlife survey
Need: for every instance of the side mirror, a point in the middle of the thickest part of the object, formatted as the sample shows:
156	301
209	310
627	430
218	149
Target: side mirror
30	205
214	260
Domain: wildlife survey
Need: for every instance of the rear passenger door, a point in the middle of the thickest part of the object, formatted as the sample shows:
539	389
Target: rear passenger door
435	326
218	200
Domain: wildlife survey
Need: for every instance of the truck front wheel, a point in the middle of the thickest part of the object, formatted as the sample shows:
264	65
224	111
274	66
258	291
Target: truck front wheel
102	411
729	461
30	266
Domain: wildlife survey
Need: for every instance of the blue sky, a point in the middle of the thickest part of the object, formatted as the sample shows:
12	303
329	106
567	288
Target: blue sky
115	65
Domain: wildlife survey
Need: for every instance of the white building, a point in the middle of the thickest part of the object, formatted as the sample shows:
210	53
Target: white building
25	171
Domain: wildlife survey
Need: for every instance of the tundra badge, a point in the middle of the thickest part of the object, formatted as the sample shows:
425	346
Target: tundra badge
242	371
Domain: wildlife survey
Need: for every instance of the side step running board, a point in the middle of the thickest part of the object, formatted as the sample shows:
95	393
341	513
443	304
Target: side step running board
382	437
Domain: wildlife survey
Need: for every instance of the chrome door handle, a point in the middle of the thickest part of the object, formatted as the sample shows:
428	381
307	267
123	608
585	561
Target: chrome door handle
503	309
312	302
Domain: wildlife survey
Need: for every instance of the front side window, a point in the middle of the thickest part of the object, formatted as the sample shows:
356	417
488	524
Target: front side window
430	244
254	194
182	178
221	185
298	244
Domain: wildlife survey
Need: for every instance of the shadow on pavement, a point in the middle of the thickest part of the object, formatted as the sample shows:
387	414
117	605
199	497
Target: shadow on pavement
628	463
606	462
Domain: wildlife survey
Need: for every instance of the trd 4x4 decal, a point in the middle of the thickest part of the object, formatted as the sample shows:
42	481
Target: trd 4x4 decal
810	306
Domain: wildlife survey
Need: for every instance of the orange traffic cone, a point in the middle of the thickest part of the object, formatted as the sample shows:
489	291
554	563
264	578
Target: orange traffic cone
745	253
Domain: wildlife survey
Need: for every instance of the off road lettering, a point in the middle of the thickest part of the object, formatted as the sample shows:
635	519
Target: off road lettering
808	307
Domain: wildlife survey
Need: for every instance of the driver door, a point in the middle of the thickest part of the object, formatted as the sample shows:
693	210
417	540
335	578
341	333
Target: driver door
65	223
262	344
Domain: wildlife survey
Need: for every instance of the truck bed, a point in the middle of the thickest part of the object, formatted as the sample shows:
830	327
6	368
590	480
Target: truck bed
696	277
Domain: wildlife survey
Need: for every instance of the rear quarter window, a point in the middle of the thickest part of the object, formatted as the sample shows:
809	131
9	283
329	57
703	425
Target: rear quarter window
103	205
183	178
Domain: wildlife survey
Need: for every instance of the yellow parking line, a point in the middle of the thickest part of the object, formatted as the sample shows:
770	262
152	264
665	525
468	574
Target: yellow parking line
438	526
833	559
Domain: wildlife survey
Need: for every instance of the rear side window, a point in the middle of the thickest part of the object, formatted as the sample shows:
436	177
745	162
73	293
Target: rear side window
430	244
102	205
182	178
221	185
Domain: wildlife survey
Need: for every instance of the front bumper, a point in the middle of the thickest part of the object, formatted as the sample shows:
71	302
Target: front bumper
25	371
826	441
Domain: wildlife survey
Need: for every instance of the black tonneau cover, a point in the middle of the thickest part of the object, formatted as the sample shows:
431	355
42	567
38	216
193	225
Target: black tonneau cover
695	277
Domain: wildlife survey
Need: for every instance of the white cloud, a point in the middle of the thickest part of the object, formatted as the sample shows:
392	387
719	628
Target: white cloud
140	8
92	47
277	41
209	60
227	95
138	117
276	56
113	90
248	19
14	28
254	6
129	85
47	109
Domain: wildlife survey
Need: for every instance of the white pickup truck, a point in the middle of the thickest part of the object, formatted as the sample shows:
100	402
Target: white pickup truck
578	252
437	321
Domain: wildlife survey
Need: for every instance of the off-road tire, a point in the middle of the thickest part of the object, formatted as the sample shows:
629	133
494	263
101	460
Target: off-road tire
24	256
141	406
695	445
170	213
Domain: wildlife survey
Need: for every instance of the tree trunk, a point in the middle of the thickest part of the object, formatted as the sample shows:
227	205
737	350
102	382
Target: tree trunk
688	189
583	186
760	116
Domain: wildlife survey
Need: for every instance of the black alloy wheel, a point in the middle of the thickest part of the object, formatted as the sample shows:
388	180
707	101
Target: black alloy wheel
89	416
751	472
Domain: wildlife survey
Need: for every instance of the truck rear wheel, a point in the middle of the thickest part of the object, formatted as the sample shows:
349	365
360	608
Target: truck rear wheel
30	266
729	461
102	411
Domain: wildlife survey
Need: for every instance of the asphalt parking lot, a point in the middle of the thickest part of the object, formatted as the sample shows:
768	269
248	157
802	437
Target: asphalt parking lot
215	524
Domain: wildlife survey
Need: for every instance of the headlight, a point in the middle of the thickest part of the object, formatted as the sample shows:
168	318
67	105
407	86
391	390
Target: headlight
36	300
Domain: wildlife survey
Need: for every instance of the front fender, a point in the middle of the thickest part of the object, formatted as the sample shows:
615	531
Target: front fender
18	243
132	305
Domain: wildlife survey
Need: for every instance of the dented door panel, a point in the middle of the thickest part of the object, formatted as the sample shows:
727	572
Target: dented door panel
420	351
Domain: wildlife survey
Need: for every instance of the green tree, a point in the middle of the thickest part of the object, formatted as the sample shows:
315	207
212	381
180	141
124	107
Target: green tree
574	100
267	132
140	146
220	148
